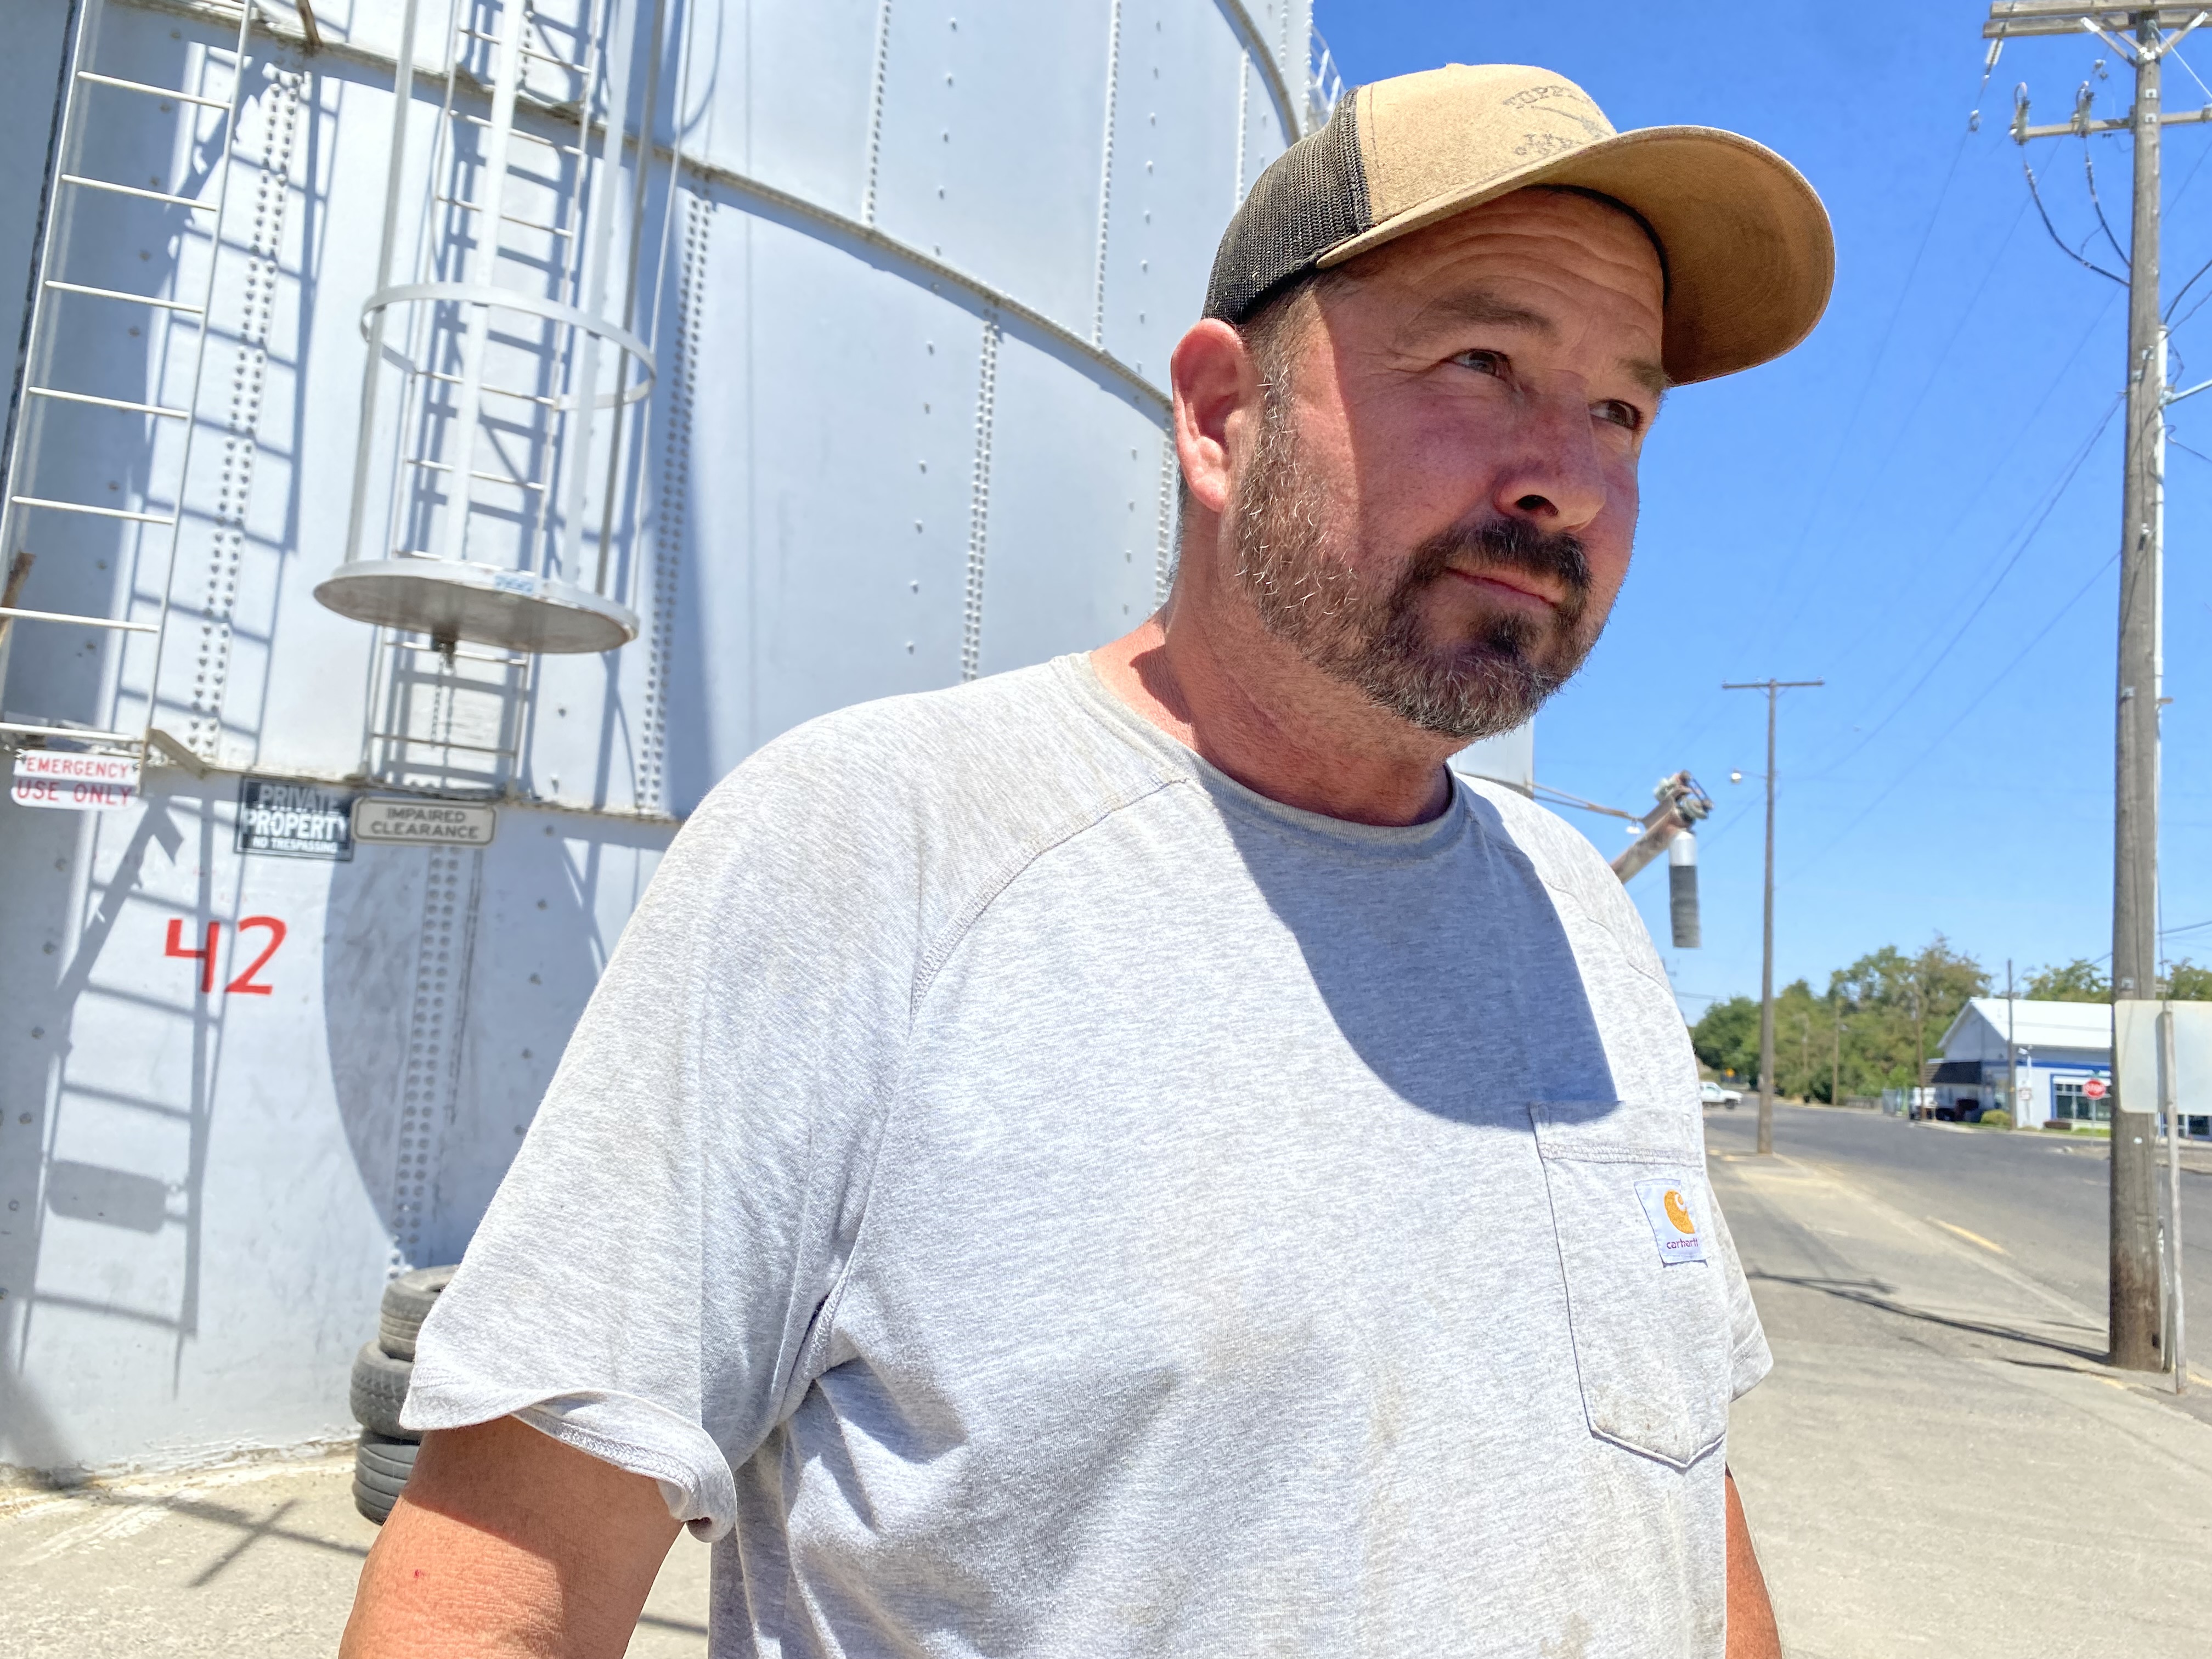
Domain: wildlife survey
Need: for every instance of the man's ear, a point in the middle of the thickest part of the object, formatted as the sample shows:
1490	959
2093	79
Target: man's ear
1214	377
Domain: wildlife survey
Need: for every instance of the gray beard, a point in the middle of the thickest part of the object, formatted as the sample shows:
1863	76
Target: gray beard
1370	635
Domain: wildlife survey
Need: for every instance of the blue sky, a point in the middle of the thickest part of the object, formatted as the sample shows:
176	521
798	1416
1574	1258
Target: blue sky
1920	505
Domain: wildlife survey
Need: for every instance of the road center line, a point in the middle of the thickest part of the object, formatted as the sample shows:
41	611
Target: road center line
1972	1238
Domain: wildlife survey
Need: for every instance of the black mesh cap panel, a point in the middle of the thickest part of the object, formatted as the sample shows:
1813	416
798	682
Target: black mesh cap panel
1312	197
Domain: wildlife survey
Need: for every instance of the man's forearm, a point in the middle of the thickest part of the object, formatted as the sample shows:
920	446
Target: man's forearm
1751	1630
509	1544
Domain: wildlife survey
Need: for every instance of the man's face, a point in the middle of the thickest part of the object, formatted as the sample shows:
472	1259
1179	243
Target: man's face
1439	505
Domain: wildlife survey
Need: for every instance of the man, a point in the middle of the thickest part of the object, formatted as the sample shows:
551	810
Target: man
1131	1157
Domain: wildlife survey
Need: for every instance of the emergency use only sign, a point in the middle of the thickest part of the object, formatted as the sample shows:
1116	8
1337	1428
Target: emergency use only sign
295	820
402	821
76	782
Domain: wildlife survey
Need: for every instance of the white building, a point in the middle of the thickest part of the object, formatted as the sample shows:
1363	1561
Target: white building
2060	1049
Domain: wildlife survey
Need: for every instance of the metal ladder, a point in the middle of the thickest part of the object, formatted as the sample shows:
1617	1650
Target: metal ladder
500	199
26	505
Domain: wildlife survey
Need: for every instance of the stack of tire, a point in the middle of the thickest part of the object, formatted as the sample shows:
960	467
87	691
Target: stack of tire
385	1456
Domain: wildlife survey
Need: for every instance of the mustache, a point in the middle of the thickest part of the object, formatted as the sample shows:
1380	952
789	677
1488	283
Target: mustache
1513	544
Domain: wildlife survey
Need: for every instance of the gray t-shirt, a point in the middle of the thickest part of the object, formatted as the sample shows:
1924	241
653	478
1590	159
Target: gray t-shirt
1025	1194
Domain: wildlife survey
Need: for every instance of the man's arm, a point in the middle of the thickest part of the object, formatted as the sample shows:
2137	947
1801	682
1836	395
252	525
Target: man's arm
508	1543
1750	1631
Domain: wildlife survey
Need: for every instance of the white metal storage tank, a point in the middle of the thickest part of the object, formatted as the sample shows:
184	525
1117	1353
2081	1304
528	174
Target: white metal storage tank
900	328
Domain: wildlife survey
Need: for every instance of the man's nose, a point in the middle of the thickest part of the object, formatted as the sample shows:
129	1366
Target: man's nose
1555	476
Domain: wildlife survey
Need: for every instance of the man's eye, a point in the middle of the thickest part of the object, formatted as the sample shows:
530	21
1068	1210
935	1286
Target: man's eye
1621	414
1484	362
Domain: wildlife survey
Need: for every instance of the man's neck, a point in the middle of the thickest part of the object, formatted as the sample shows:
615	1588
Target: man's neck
1208	675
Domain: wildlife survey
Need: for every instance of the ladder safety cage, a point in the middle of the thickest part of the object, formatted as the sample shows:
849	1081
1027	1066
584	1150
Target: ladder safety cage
1324	83
33	510
510	339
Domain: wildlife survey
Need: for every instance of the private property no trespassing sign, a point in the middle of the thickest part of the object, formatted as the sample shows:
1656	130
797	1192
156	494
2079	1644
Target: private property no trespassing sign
78	782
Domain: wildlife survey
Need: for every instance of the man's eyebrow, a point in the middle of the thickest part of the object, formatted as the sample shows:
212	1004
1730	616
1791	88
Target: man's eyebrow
1650	375
1476	304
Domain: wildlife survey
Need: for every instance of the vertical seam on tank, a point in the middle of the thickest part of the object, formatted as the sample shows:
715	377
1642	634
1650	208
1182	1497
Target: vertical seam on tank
1164	550
265	251
675	493
979	502
1106	173
430	1075
1243	124
876	112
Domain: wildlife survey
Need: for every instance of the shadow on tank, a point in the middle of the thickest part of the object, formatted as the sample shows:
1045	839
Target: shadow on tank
452	979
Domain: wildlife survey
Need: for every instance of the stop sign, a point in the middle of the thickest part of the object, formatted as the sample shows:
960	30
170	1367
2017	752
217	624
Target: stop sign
2094	1088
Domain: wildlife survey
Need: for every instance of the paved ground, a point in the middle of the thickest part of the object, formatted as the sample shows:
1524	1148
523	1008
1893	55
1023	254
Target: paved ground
2041	1196
1939	1463
256	1562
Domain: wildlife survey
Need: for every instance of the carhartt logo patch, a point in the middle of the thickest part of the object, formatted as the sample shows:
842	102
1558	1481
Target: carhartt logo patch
1673	1223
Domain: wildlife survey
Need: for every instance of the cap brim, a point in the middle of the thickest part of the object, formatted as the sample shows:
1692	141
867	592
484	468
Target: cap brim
1750	256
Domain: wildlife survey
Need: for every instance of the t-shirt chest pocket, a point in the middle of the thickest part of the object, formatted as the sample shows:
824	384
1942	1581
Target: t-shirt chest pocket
1646	1302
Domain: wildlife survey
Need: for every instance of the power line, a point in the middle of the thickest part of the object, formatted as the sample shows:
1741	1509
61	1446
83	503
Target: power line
2190	179
1988	686
2096	203
1874	368
2008	453
1935	658
1876	473
2044	214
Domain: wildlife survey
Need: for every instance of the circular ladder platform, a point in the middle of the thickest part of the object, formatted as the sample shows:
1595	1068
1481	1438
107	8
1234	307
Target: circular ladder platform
448	599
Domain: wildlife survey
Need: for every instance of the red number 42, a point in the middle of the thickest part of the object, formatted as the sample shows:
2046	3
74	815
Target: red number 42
205	956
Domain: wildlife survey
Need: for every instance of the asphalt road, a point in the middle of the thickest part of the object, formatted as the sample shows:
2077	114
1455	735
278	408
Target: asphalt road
2037	1199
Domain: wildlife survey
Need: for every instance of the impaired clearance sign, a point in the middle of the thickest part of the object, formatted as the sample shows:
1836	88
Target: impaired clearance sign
57	777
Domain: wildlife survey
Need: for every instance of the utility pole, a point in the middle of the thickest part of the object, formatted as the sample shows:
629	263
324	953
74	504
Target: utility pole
2137	34
1773	688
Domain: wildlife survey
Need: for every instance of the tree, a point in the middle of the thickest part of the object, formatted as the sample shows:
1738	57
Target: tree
2079	980
2185	982
1895	1009
1892	1010
1727	1038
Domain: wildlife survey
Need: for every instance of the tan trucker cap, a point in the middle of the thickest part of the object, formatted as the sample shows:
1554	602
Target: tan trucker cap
1744	240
